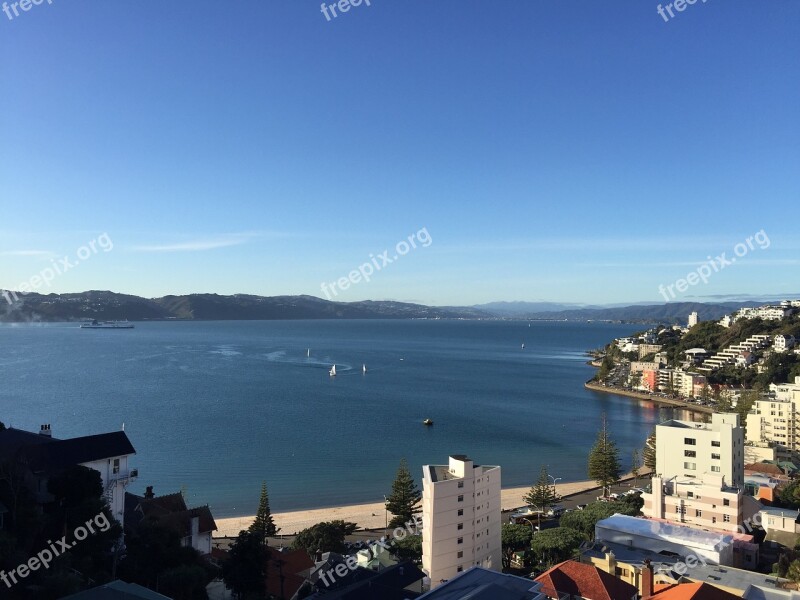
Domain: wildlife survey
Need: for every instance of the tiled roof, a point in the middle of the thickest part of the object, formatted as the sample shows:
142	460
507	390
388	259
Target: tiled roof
585	581
691	591
293	567
764	468
171	510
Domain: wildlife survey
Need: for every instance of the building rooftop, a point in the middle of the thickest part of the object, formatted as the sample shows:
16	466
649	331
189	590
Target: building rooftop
664	564
478	583
658	530
691	591
584	581
117	590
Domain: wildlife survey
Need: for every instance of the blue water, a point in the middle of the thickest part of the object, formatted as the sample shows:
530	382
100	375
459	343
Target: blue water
214	408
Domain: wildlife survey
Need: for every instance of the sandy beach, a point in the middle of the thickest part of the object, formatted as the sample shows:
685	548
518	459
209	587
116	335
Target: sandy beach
372	515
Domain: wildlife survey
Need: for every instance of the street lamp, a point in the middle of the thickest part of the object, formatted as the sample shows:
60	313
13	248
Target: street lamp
386	515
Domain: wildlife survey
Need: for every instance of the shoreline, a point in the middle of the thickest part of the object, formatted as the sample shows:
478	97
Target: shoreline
596	387
372	515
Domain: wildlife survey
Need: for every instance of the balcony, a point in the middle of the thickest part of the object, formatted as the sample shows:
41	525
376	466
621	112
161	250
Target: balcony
124	476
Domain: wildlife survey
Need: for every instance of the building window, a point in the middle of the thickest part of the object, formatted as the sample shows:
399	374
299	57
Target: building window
461	540
460	512
690	494
698	513
461	498
690	466
715	444
726	518
726	502
715	469
690	453
690	441
713	519
459	569
460	526
461	484
116	466
714	456
460	554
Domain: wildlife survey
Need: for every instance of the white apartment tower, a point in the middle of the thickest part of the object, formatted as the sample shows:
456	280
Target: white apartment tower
693	319
460	518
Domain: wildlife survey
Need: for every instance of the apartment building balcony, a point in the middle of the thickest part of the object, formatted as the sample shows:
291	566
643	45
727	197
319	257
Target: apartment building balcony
123	476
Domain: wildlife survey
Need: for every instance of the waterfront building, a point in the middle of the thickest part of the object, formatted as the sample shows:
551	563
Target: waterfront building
461	518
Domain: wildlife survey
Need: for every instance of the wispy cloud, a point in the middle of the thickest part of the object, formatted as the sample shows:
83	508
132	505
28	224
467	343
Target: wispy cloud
44	254
199	245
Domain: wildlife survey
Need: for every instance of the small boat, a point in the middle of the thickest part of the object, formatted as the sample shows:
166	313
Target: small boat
332	372
427	422
523	345
308	353
95	324
364	369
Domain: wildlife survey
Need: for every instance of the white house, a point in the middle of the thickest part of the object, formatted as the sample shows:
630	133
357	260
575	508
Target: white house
782	343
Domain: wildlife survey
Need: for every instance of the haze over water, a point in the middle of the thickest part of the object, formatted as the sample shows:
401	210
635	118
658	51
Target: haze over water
217	407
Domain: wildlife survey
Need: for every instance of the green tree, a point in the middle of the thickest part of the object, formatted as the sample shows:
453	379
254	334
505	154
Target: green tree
542	494
244	571
555	545
325	537
514	538
184	582
649	451
584	520
408	548
264	525
2	426
793	572
604	465
404	500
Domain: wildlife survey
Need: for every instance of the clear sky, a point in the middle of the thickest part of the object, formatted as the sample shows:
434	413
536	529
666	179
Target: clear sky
551	150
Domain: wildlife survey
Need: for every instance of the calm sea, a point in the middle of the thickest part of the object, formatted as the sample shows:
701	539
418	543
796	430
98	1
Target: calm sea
214	408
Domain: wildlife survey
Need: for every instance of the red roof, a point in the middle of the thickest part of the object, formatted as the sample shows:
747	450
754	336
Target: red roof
692	591
293	566
585	581
767	468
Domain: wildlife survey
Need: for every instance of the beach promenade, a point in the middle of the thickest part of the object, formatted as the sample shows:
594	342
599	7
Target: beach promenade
373	515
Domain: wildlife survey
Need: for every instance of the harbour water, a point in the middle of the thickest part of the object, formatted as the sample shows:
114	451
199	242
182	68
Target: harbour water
214	408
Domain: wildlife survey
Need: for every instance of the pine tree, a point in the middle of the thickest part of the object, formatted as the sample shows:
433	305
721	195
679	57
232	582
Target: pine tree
542	494
404	500
604	465
264	525
649	452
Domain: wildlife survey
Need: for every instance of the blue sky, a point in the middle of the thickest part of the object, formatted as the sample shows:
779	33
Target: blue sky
567	151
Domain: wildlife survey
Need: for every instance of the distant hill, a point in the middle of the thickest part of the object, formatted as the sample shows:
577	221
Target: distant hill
104	305
111	306
674	312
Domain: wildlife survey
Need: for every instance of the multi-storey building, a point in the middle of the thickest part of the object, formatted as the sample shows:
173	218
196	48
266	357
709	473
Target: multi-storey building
460	518
775	421
700	474
693	320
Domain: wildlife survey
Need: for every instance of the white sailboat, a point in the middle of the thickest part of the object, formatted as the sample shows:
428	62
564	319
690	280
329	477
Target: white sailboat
308	353
333	371
523	345
364	369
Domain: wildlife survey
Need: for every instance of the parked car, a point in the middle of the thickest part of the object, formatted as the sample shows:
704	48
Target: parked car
582	506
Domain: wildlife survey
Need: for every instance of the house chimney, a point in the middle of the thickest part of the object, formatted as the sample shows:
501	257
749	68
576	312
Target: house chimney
647	579
148	493
318	556
45	431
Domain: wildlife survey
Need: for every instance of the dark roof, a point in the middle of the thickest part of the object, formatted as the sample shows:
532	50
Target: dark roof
45	453
65	453
171	510
117	590
479	583
388	584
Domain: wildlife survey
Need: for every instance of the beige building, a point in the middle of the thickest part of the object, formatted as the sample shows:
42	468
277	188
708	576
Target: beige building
700	474
773	421
460	518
